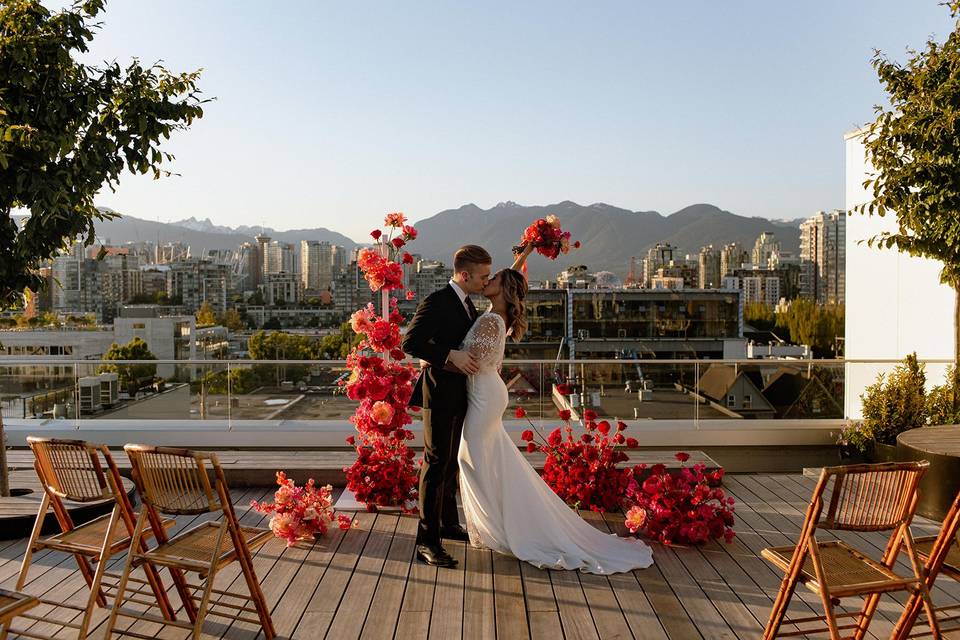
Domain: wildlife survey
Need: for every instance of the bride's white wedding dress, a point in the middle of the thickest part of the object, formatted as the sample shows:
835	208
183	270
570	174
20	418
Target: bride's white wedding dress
509	508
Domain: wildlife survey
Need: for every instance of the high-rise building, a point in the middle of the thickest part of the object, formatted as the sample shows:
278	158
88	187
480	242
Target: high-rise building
249	268
282	288
263	242
196	281
318	264
732	256
660	255
280	258
755	288
709	268
764	249
823	257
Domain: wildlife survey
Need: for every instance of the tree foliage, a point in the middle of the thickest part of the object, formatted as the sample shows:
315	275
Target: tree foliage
812	324
759	315
914	147
69	128
205	315
131	376
232	320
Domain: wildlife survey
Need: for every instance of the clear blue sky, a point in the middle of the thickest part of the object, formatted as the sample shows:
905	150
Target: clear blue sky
333	113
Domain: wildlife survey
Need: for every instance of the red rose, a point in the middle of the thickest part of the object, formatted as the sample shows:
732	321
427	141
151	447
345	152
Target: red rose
576	245
397	354
619	439
351	440
564	389
411	295
555	437
621	425
682	456
564	414
589	415
407	258
531	447
520	412
409	232
527	436
587	438
632	443
376	233
604	427
398	242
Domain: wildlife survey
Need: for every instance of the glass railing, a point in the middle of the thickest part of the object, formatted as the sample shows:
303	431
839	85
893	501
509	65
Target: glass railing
250	390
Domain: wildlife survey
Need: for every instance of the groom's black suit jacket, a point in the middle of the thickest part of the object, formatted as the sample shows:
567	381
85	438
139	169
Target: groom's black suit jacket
438	327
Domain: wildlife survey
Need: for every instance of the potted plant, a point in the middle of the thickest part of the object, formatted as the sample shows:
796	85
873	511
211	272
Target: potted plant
893	404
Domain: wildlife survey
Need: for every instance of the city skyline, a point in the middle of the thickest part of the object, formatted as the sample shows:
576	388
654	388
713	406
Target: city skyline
343	113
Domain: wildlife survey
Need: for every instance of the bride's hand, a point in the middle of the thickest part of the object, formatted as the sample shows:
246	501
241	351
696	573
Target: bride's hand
522	256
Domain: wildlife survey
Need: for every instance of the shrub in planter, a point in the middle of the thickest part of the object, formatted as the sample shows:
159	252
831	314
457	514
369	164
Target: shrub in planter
893	404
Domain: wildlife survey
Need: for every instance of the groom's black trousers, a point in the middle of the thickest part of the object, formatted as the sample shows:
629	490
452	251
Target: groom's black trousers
439	475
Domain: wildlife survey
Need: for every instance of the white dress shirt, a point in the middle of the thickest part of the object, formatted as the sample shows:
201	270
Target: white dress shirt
461	294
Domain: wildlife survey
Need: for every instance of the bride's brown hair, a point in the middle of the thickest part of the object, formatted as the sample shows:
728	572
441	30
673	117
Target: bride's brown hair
513	287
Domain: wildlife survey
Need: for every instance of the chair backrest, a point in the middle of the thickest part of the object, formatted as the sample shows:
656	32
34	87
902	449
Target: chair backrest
871	497
174	481
70	469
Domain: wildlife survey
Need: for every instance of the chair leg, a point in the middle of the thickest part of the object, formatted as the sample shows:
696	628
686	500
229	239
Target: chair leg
98	575
208	588
34	534
780	605
125	576
866	615
253	585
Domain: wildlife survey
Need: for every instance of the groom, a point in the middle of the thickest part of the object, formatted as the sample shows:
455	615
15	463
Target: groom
434	335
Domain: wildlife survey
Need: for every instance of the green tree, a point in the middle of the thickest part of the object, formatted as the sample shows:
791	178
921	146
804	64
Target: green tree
205	315
232	320
914	148
759	315
68	128
256	298
131	376
339	345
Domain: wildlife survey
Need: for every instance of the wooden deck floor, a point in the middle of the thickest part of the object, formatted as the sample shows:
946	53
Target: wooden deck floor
364	582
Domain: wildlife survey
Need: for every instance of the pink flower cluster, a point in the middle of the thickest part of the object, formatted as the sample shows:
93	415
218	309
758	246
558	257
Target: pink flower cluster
685	507
378	271
381	334
300	513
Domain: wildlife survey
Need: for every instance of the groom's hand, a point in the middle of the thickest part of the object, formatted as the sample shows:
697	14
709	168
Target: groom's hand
463	361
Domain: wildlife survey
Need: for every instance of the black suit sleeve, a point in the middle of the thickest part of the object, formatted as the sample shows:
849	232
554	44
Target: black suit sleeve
424	327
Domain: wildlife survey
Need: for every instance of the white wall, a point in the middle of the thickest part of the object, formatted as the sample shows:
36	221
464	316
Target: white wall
895	304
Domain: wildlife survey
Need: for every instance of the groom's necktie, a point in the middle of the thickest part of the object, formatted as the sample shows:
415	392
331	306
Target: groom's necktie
473	309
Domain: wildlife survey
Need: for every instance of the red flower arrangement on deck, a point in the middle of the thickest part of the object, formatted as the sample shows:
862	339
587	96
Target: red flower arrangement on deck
685	507
300	513
583	470
383	474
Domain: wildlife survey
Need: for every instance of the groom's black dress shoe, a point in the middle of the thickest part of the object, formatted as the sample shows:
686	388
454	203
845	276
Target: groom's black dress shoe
435	555
455	533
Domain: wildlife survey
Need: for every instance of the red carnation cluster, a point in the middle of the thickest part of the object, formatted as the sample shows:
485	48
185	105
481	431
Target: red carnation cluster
300	513
583	469
547	237
684	507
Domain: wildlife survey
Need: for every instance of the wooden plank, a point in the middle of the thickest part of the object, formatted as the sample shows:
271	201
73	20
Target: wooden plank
388	595
572	605
447	618
479	617
604	606
511	612
414	619
355	604
326	599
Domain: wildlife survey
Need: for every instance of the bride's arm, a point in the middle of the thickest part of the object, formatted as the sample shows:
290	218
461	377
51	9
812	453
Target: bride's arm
522	257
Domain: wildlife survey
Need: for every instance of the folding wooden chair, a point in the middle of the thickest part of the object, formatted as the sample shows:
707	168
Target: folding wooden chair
83	472
175	482
13	604
866	497
940	553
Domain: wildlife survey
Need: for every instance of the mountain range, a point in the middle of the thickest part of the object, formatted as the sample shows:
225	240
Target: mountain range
609	235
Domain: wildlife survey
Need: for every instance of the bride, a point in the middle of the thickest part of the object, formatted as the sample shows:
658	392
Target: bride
508	507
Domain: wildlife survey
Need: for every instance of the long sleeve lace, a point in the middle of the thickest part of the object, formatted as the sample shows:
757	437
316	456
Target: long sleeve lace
484	342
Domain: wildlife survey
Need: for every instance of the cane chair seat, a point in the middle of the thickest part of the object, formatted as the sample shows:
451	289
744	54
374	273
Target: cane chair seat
951	565
193	548
87	538
13	604
847	571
